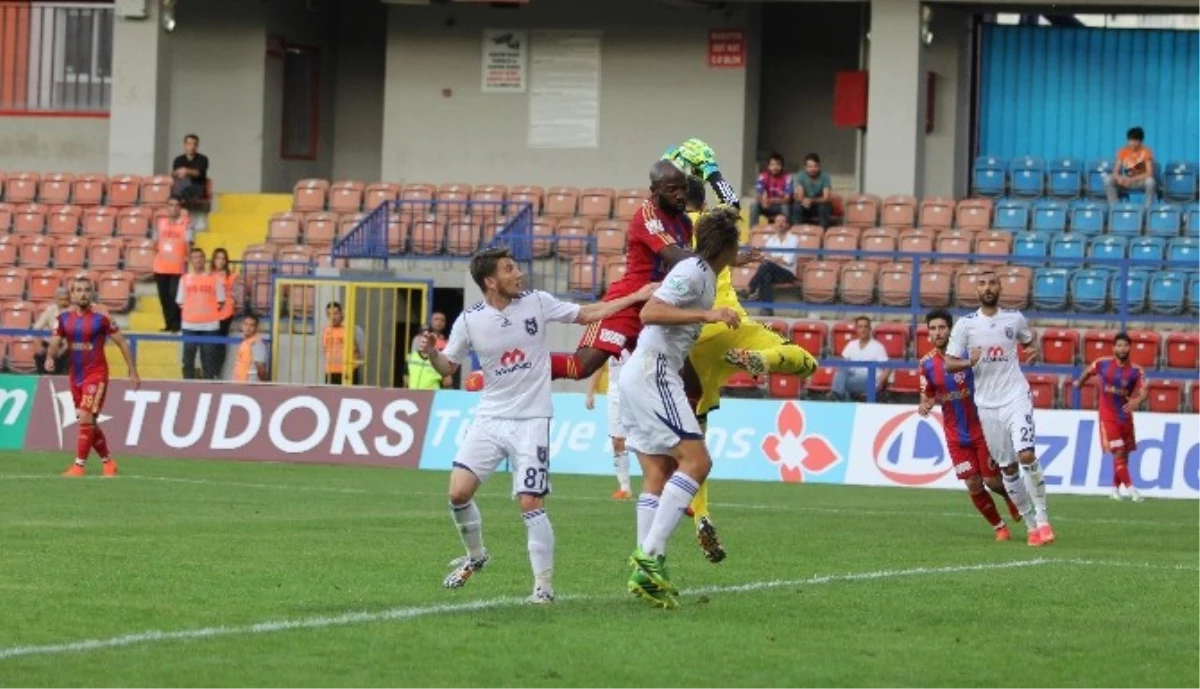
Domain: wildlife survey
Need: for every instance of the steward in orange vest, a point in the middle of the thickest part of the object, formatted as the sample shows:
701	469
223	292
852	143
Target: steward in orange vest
201	296
173	234
334	342
250	366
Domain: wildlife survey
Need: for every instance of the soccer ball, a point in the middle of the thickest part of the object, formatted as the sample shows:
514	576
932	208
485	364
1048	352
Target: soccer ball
475	381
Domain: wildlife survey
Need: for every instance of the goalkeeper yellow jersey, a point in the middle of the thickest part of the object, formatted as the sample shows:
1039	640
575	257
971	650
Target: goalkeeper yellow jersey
725	296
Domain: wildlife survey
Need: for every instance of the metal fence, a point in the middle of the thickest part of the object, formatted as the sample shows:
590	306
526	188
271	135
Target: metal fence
55	57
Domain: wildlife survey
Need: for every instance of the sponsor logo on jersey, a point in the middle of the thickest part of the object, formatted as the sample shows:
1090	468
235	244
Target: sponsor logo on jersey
613	338
512	360
995	354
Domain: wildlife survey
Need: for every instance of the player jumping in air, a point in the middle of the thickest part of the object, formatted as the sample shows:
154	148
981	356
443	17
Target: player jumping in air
1122	390
84	331
662	428
507	331
960	419
989	337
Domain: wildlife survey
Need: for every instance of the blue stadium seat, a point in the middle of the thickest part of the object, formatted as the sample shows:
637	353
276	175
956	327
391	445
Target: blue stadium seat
1068	246
1028	177
1136	284
1011	215
1126	218
1193	290
1049	216
1089	217
1179	181
1186	249
1066	178
1030	249
990	173
1167	290
1109	247
1050	288
1164	220
1192	229
1089	289
1097	170
1147	248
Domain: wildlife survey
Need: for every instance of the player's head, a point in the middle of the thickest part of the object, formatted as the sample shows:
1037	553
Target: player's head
333	311
199	260
939	322
62	297
668	186
862	328
987	286
812	164
81	292
775	163
1121	346
495	271
697	194
717	237
249	325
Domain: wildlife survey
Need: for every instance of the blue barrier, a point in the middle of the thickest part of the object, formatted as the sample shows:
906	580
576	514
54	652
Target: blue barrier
382	234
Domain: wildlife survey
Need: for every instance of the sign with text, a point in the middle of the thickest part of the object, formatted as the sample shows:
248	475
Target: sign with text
16	405
727	48
505	52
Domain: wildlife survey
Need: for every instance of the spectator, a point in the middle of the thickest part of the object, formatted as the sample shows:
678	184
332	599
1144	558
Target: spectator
250	366
437	325
779	263
190	171
421	374
773	192
852	382
201	297
1134	169
220	268
49	321
814	194
333	340
174	234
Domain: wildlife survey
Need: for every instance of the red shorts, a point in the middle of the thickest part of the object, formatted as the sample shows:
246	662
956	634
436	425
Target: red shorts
617	332
1117	436
972	460
89	396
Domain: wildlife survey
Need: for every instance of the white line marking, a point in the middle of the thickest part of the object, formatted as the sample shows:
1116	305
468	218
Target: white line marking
408	613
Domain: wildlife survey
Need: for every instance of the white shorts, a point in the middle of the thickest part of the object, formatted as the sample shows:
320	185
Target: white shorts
524	442
654	406
1008	430
616	428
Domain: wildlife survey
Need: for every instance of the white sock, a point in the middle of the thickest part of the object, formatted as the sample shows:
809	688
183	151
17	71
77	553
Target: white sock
1015	485
647	505
470	527
1036	481
621	464
677	495
540	537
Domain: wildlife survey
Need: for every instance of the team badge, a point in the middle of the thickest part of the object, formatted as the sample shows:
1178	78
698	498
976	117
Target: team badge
531	326
1008	332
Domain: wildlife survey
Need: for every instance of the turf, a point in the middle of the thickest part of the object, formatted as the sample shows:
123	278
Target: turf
839	586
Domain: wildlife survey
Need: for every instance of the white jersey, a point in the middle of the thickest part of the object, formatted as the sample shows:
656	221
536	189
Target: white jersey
511	346
998	378
691	285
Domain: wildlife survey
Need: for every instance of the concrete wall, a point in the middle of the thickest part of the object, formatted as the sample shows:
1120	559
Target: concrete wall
656	89
358	91
54	144
947	148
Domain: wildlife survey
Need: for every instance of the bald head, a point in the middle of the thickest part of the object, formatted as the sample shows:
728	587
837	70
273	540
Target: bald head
663	170
668	186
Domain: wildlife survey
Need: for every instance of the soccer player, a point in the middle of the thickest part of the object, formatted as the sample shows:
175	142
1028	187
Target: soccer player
616	432
989	338
662	428
84	332
507	331
964	435
1122	390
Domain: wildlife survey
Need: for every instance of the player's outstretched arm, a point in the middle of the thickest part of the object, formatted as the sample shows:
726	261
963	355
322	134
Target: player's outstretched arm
123	345
601	310
439	362
659	312
955	364
52	349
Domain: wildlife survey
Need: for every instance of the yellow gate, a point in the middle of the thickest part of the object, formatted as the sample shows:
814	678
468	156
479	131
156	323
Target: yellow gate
342	331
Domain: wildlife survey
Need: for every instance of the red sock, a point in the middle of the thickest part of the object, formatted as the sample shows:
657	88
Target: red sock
1012	507
1121	471
983	503
100	443
565	366
87	436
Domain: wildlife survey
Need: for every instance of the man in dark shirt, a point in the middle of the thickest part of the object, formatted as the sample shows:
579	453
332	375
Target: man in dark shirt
190	170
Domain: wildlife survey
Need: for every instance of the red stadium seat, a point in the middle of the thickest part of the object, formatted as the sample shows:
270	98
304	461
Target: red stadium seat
811	336
70	253
139	257
1165	396
99	221
89	190
377	193
843	334
784	386
22	187
905	381
308	195
21	353
894	338
134	223
921	343
898	211
1183	350
1060	346
37	252
55	188
741	380
346	196
9	249
862	210
1089	394
123	190
18	315
1043	388
1097	344
103	254
114	290
1145	348
30	218
821	380
64	220
156	190
12	284
775	325
7	213
43	284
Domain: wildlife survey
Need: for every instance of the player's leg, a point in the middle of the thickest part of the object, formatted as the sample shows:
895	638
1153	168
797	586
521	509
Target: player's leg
1019	420
1111	442
99	441
999	443
84	398
995	483
656	470
693	387
967	469
617	433
477	457
530	452
1129	441
601	340
759	350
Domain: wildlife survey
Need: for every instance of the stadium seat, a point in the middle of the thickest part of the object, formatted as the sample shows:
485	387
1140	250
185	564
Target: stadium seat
346	196
951	243
596	203
894	338
916	241
63	221
1043	388
99	222
1089	289
7	211
1164	220
1182	349
627	202
811	336
42	284
309	195
347	223
134	223
29	219
487	202
784	386
1050	216
809	238
1145	346
1097	170
1097	344
973	214
1126	218
989	176
775	325
139	257
12	284
22	187
283	229
21	351
526	194
821	279
1089	217
583	278
1193	292
462	237
1179	182
820	382
55	188
610	238
936	211
841	239
1050	288
843	334
1109	248
1164	396
427	236
543	237
88	190
114	290
320	229
378	193
858	283
1184	250
1137	284
895	284
880	240
9	250
1066	178
70	252
936	285
561	202
574	237
416	201
898	211
1067	249
1015	282
124	190
452	201
1167	292
1147	249
102	254
397	235
1011	215
156	190
1027	177
997	245
743	274
905	381
862	210
18	316
1060	346
1032	248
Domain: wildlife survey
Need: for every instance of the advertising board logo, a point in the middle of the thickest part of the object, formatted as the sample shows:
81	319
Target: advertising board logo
797	454
910	450
16	404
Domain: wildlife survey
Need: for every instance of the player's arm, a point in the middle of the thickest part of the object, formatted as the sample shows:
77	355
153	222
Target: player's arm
1086	375
122	344
665	307
447	361
52	349
958	343
1139	391
699	159
601	310
1026	337
926	404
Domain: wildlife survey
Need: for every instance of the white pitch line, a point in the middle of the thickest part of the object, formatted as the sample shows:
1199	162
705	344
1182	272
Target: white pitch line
412	612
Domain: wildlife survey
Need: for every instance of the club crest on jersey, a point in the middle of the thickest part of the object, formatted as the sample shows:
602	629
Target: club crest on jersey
531	326
654	225
677	286
1008	332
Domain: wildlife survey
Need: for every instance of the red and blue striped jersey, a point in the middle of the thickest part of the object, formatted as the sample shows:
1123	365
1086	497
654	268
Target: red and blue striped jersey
650	231
955	392
86	333
1117	384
